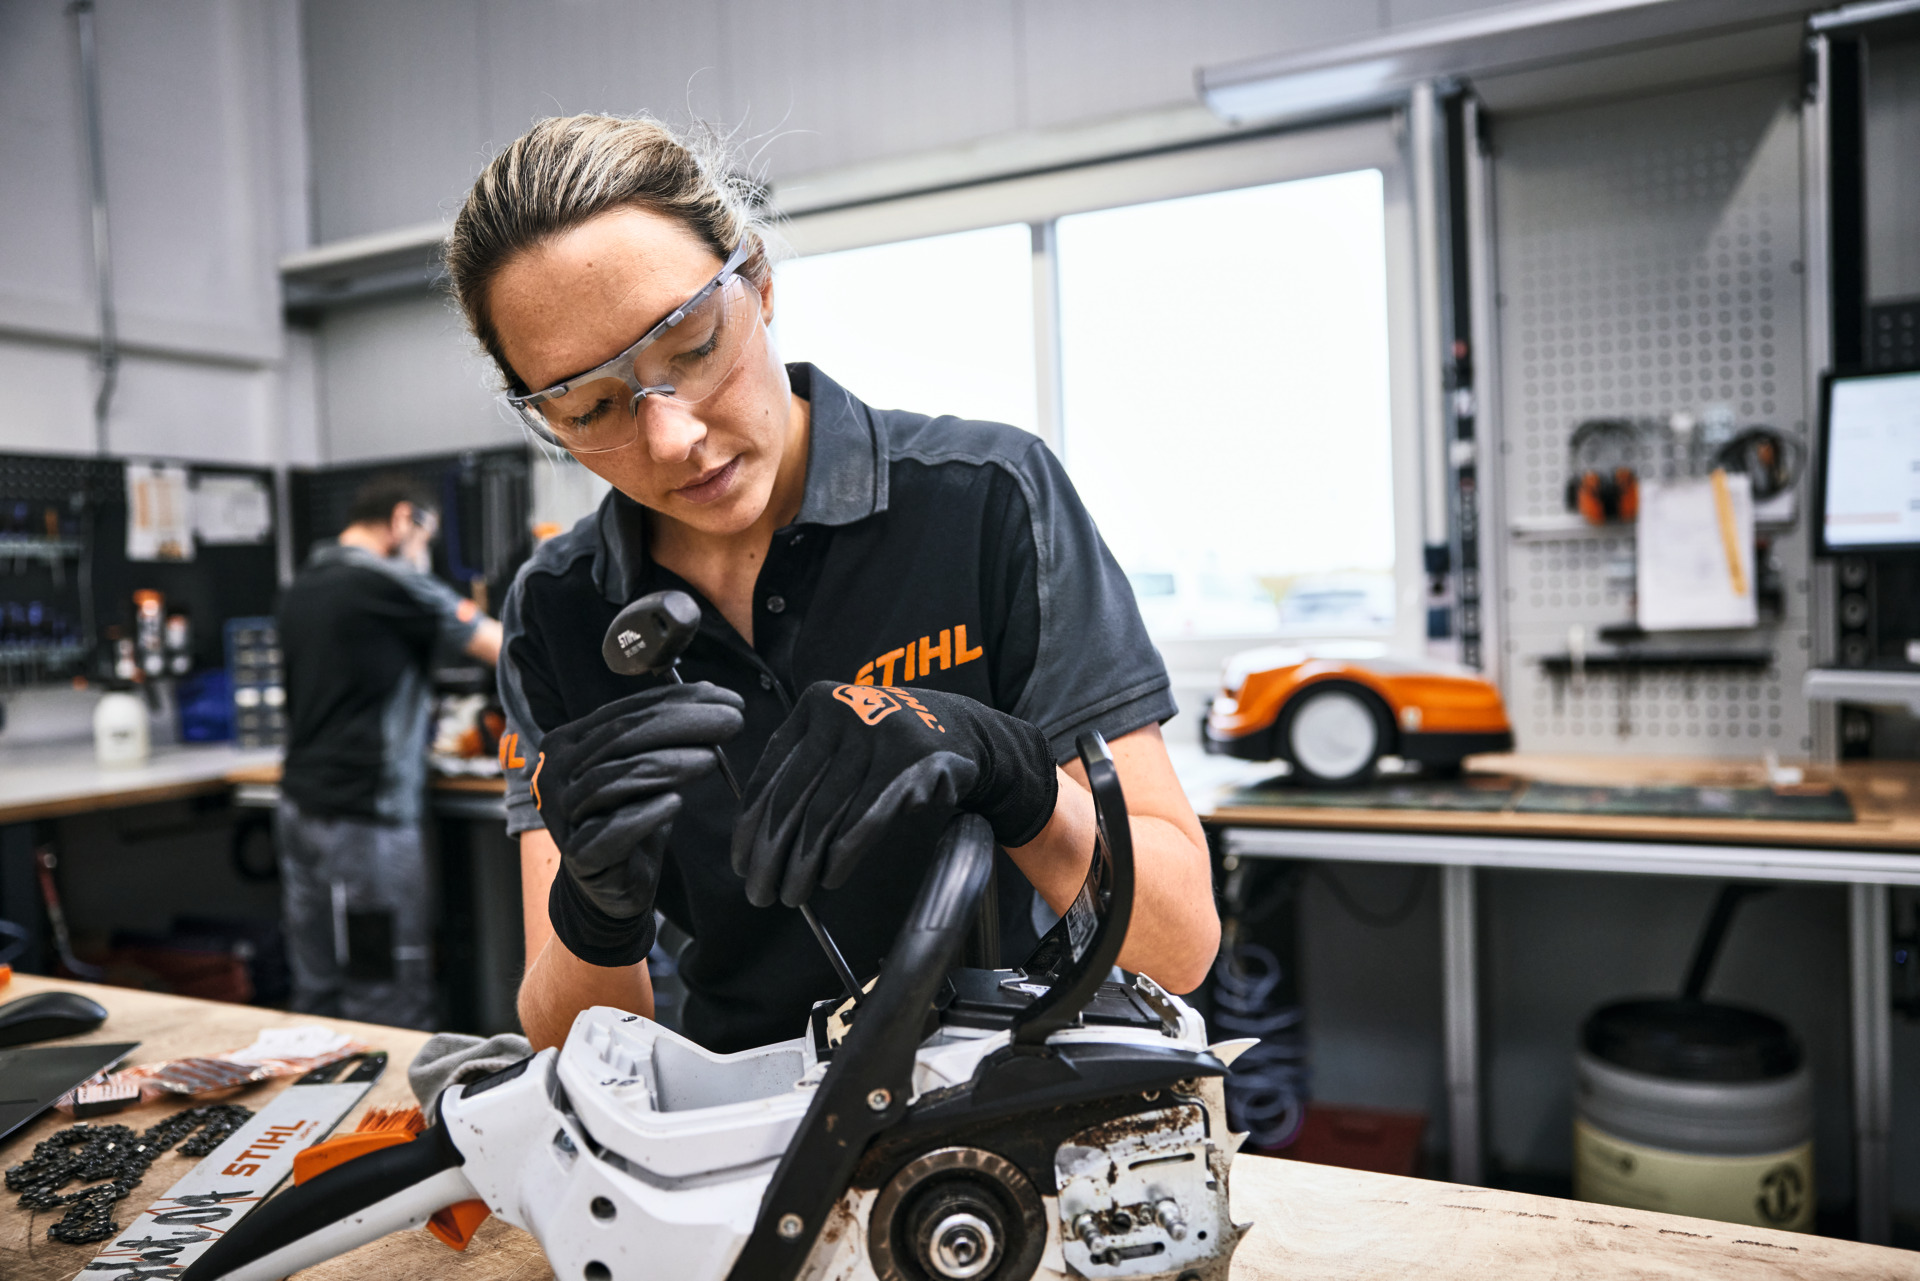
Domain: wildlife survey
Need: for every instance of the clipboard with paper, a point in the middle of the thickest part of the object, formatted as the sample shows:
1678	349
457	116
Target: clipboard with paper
1694	554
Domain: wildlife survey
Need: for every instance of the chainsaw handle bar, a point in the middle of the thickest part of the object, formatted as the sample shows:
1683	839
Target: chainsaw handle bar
1112	865
871	1077
336	1211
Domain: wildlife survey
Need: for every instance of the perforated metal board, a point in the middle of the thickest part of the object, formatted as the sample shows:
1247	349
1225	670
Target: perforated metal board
1648	262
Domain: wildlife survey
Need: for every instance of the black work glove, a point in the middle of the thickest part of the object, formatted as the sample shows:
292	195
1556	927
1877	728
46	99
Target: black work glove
852	759
608	787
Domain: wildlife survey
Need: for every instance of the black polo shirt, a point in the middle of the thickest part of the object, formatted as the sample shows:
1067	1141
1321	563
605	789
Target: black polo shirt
928	551
361	633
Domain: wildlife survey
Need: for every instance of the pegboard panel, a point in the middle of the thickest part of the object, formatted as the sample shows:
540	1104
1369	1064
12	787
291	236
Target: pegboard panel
1566	581
1691	713
1648	262
1893	335
56	479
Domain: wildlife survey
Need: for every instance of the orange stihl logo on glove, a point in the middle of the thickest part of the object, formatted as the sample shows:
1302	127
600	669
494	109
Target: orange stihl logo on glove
873	704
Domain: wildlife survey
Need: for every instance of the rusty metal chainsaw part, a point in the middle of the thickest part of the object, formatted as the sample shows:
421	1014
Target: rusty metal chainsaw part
1141	1190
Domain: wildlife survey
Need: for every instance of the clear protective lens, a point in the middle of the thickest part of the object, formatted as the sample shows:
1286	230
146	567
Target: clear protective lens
687	363
696	356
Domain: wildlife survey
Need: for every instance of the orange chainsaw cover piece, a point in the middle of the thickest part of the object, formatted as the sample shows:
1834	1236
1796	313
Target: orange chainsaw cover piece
382	1128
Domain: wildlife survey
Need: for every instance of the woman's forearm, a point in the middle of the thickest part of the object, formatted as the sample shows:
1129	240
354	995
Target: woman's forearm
558	985
1175	931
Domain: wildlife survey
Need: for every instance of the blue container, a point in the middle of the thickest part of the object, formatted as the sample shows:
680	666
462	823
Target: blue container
206	707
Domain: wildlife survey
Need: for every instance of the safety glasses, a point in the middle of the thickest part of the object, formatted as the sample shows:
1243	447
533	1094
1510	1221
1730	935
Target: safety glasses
685	358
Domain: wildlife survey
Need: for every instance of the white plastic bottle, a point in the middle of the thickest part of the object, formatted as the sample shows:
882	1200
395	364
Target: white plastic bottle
120	729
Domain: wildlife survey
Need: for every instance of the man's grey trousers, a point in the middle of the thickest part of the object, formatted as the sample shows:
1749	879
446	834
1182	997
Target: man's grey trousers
357	900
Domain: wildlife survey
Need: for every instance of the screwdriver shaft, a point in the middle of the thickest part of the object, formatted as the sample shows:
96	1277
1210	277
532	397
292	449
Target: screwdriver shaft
839	962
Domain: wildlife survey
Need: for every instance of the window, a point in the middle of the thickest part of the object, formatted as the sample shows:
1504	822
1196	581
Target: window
1225	400
942	325
1218	340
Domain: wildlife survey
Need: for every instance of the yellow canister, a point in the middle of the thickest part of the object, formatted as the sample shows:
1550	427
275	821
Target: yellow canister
1765	1190
1695	1108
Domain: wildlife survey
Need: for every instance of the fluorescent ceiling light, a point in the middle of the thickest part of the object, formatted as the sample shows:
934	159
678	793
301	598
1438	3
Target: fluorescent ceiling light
1306	93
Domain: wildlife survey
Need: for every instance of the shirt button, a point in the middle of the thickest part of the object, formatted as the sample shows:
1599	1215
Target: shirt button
776	604
766	681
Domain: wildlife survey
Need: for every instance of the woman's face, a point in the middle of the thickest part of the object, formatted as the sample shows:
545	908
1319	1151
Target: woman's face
583	297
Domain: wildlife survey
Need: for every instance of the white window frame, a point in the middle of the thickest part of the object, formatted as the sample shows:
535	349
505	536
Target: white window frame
1039	199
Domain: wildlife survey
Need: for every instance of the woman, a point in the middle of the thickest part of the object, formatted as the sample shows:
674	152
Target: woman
623	287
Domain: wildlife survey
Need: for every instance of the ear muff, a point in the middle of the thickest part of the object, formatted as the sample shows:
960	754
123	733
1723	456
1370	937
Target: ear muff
1626	494
1769	460
1600	497
1591	495
1603	488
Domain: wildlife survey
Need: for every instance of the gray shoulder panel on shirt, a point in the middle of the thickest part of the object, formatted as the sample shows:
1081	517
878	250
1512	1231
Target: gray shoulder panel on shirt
1089	622
553	558
427	591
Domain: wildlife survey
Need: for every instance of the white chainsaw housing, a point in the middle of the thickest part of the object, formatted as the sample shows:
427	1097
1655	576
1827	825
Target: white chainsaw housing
633	1154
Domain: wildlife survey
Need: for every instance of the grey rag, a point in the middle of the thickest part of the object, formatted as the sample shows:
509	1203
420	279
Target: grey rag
451	1058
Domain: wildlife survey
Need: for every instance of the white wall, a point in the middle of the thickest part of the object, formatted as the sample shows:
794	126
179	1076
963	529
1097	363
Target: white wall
408	100
212	107
205	165
400	377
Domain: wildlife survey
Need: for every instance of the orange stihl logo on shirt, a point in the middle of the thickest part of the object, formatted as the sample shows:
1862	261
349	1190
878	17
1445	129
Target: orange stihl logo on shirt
510	757
915	659
873	704
533	781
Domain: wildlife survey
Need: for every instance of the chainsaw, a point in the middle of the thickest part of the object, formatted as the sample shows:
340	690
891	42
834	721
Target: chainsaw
1060	1119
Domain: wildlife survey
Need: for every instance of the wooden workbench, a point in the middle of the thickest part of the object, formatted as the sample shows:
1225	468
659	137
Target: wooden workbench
1312	1223
168	1027
1885	796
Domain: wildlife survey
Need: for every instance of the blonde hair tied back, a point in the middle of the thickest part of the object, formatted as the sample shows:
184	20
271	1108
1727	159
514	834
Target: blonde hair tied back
569	169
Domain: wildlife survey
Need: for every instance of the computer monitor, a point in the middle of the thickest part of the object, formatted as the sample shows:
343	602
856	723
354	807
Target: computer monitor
1868	494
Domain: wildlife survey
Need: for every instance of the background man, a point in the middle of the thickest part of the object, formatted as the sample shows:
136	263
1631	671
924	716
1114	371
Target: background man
362	626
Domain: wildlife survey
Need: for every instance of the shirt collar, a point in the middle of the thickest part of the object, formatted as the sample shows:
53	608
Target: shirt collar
846	453
328	550
846	482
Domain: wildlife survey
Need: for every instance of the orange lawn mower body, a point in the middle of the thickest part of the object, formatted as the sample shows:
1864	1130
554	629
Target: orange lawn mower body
1334	718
